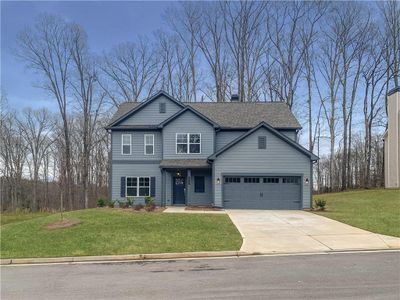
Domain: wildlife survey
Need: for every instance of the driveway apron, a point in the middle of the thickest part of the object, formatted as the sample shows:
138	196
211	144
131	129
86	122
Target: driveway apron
291	231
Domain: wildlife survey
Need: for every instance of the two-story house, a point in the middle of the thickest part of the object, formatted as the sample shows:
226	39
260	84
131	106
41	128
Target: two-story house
230	155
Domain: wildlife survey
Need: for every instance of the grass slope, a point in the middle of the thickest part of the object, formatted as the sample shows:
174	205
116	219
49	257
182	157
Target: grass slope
373	210
107	232
7	218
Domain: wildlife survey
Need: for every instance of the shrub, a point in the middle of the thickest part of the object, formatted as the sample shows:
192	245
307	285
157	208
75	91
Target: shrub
150	207
149	201
138	206
111	203
129	201
320	204
101	202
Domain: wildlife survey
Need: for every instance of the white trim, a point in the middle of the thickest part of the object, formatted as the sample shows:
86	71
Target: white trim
146	135
122	144
187	143
137	185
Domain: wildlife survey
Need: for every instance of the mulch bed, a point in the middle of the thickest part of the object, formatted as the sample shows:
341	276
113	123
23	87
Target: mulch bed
130	209
203	208
62	224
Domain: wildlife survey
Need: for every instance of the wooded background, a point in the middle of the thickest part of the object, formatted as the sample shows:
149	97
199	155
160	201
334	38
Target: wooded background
332	63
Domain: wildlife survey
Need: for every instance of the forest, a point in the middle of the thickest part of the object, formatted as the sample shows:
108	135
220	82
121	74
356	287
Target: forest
333	63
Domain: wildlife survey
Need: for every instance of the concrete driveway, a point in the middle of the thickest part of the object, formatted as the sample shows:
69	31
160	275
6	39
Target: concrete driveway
270	231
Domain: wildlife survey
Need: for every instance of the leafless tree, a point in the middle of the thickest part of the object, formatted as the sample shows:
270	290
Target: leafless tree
89	99
243	28
46	49
36	128
185	22
131	72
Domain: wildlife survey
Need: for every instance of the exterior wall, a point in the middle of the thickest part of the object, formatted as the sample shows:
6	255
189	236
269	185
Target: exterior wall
392	142
200	198
188	122
224	137
278	158
291	134
137	147
150	115
132	169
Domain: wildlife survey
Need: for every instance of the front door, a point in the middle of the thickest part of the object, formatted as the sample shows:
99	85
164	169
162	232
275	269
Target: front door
179	190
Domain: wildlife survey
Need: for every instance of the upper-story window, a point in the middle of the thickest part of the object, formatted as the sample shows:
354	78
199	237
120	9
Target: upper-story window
162	108
126	144
149	144
188	143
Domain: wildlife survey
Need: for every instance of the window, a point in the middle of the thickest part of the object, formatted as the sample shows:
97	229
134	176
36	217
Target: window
126	144
251	180
137	186
144	186
189	143
294	180
199	184
232	179
149	144
162	108
131	186
271	180
262	142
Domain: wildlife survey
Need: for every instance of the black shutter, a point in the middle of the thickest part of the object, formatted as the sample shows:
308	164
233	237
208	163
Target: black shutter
123	183
262	142
152	186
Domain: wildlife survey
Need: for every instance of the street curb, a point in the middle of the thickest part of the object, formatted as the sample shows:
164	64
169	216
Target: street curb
129	257
171	256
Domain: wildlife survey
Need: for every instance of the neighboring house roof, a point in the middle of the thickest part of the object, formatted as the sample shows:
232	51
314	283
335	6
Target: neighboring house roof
230	115
273	131
182	111
184	163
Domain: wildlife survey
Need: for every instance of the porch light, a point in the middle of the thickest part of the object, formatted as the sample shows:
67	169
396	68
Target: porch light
307	181
178	173
218	181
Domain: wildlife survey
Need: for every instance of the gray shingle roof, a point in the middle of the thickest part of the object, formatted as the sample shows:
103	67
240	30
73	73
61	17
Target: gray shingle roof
235	115
184	163
247	114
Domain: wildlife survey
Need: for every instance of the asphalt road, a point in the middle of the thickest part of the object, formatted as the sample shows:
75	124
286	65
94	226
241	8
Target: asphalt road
332	276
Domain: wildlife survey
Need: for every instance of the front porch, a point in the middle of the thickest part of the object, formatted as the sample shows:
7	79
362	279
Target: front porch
186	182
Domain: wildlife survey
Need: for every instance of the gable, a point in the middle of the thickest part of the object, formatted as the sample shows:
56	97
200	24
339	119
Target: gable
276	150
188	119
284	141
150	113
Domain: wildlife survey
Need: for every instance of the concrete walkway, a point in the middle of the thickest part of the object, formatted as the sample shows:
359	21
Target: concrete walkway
270	231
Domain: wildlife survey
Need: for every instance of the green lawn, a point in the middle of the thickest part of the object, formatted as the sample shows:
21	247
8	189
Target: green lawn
373	210
7	218
108	232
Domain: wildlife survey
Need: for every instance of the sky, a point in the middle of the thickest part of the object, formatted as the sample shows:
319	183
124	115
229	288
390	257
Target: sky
106	23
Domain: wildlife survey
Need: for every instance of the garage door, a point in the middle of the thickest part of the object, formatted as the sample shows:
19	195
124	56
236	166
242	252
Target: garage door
272	192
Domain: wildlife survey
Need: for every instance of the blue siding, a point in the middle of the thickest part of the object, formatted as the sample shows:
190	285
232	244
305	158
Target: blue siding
278	158
225	137
123	170
150	115
290	134
137	151
188	122
200	198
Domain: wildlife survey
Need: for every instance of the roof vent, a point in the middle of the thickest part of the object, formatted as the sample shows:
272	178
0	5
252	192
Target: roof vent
234	98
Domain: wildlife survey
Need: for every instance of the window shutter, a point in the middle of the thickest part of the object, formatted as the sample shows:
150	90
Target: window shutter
123	185
152	186
262	142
